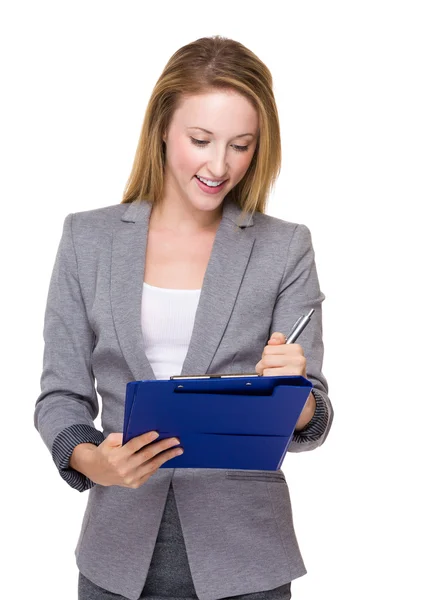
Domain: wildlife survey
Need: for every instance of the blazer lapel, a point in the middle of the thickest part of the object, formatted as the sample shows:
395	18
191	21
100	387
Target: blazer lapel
226	267
126	286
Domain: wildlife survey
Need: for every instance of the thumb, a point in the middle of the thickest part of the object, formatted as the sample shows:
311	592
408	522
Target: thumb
277	338
114	439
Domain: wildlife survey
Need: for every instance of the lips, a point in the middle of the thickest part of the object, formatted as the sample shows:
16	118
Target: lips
212	180
210	189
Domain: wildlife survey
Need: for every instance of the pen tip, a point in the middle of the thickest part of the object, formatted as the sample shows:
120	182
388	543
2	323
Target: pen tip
311	312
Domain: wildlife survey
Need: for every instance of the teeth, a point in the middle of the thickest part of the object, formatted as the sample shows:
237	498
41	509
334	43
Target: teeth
209	183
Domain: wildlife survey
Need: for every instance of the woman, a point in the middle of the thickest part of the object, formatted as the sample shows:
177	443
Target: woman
186	275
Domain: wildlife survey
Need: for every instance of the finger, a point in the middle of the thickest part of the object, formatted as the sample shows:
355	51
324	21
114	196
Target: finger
283	349
148	452
114	439
139	442
274	372
153	465
274	360
277	338
297	361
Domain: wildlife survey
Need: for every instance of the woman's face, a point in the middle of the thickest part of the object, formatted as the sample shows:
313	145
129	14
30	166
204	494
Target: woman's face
221	153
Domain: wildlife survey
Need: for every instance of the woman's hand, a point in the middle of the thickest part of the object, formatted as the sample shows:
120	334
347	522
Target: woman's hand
130	465
279	358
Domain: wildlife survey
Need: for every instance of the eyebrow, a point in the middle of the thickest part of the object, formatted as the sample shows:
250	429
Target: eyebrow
211	133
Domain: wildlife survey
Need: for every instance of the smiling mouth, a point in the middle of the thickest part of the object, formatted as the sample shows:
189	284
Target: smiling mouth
214	184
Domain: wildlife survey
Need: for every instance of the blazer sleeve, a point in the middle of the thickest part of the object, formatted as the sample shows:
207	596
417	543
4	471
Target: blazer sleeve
298	293
67	405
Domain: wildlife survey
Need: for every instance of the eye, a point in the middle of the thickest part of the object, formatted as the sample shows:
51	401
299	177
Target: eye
203	143
198	142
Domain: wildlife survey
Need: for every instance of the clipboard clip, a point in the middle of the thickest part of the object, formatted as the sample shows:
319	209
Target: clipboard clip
216	376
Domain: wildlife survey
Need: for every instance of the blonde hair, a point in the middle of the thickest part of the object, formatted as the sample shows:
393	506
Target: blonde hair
208	64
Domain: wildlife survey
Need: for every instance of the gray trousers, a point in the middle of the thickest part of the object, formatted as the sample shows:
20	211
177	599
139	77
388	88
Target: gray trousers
169	573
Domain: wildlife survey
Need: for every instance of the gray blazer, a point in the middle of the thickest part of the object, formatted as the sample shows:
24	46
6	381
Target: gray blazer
237	524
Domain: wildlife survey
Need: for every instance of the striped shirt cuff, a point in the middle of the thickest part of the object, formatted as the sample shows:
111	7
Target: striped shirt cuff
317	425
63	447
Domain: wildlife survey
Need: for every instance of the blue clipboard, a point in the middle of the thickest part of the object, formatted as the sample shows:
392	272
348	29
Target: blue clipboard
222	422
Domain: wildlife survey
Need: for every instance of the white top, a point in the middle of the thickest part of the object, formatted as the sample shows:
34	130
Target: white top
167	318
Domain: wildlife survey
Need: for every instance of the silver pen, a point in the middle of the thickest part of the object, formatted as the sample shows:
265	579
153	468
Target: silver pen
299	326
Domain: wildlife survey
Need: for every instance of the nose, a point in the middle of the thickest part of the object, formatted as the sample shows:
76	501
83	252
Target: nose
217	165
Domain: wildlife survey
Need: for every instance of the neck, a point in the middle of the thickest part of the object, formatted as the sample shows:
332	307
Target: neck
175	218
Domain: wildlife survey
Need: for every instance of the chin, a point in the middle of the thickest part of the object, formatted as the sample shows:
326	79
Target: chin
208	204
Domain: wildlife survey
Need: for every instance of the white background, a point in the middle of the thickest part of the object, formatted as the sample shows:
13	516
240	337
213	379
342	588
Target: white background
350	79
